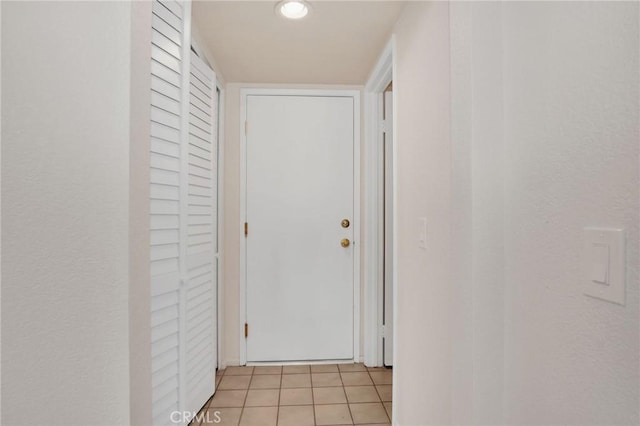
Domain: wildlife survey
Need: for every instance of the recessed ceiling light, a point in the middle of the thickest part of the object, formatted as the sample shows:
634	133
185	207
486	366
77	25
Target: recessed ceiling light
293	9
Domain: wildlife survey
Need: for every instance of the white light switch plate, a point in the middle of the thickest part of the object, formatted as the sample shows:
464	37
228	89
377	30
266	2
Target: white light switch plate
422	239
603	264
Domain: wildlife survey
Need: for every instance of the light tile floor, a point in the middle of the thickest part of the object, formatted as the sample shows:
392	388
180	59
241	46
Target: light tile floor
300	395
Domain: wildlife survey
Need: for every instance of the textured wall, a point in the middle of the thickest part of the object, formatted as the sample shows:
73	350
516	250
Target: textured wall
544	141
421	85
478	213
231	338
65	212
462	389
571	155
139	206
488	214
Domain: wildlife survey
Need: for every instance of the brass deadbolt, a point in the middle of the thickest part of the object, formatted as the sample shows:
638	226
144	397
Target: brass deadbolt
345	223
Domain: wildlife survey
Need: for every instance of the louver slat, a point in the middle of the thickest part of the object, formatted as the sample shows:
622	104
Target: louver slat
165	158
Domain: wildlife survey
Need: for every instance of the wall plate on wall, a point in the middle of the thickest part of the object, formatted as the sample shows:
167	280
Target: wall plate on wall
603	264
422	233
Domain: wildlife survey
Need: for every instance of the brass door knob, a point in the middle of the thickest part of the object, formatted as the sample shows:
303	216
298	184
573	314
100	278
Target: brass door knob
345	242
345	223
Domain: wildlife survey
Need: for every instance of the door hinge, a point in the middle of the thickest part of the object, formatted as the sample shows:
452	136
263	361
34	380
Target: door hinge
246	127
382	331
383	126
246	330
246	229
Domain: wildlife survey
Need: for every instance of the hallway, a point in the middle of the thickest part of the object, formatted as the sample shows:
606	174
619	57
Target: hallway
300	395
192	187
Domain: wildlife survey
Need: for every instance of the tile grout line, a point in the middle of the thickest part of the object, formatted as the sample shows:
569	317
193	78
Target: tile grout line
346	397
245	397
313	399
279	392
378	393
313	406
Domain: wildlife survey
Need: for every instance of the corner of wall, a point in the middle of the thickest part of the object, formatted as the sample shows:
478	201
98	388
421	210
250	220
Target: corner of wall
201	47
423	371
140	386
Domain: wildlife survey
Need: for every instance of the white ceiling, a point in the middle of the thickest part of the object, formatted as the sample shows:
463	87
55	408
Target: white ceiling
337	43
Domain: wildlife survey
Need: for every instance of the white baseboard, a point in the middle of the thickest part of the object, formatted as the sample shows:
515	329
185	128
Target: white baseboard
232	362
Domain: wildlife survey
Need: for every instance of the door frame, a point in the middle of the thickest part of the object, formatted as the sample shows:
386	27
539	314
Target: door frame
378	81
355	95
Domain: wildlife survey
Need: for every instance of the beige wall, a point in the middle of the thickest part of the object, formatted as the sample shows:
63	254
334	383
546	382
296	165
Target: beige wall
232	326
541	141
571	131
139	235
230	351
65	213
423	339
477	310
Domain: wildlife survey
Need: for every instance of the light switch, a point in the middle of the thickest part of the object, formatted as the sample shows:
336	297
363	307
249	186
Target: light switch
600	263
603	264
422	239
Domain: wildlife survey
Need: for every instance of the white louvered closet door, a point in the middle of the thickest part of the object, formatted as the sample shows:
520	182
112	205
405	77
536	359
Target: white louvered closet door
201	271
182	265
167	51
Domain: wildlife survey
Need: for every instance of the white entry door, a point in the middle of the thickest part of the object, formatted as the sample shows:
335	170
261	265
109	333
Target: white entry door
299	252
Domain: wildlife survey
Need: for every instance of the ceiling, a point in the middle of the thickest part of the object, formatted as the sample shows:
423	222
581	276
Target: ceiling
337	43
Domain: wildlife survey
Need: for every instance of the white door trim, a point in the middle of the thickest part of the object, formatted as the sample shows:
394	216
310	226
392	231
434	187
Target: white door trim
379	79
220	200
355	94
